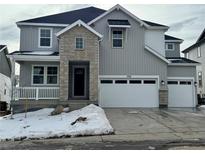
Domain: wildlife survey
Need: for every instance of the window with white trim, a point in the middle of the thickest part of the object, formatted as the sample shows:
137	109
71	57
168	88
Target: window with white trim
79	43
117	38
198	52
45	37
38	75
45	75
169	46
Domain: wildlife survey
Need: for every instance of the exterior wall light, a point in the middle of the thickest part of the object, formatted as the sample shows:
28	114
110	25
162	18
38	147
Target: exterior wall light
162	82
195	83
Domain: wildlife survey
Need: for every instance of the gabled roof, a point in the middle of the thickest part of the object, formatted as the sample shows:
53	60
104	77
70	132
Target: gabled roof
2	47
79	23
85	14
202	36
168	38
200	41
142	23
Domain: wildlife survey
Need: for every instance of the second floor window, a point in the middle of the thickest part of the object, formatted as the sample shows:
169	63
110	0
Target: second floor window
198	52
117	38
169	46
79	43
45	37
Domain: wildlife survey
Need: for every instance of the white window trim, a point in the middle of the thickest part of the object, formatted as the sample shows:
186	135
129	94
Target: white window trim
39	36
83	43
198	52
44	75
166	47
118	39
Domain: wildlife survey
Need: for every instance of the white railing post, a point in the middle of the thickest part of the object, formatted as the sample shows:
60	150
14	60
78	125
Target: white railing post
37	90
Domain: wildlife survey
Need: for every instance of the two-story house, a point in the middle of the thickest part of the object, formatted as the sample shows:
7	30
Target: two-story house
110	58
197	52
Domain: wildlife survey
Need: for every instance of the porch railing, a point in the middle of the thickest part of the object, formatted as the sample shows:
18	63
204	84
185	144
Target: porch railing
35	93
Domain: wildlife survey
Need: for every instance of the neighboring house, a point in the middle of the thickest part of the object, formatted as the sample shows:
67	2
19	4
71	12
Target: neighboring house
197	52
111	58
5	74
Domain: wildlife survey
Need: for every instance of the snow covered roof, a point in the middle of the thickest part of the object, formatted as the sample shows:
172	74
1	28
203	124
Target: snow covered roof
37	53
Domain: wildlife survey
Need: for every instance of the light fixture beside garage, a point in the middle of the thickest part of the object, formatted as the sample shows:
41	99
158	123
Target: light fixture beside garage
195	83
162	82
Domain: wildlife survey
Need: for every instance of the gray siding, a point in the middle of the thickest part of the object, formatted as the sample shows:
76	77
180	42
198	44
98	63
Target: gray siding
133	59
181	71
29	39
25	77
174	53
4	65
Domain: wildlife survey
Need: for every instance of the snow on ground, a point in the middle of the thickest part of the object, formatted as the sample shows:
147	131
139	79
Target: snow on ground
39	124
201	106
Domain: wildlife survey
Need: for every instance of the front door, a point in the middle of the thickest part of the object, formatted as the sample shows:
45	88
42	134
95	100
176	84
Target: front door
79	82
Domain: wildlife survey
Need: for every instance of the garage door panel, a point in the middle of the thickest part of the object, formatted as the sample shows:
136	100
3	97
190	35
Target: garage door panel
180	94
129	95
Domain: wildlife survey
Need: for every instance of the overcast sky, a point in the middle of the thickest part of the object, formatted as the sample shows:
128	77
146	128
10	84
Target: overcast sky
185	21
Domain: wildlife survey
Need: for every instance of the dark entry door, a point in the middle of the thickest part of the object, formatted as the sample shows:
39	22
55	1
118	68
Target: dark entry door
79	81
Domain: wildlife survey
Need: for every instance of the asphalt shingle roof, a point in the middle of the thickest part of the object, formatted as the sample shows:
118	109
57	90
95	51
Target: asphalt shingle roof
168	37
181	60
85	14
2	46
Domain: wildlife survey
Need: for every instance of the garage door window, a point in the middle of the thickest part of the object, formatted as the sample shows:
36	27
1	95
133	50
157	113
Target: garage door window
172	82
149	81
135	81
185	82
106	81
120	81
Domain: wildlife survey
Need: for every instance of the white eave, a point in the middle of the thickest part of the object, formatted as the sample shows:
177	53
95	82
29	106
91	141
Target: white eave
183	64
173	41
119	26
40	24
79	23
34	58
156	54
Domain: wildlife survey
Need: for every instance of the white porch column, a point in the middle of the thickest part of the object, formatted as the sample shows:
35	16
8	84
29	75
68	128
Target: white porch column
12	81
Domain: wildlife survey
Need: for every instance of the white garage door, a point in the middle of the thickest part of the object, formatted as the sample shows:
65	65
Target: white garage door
181	93
128	93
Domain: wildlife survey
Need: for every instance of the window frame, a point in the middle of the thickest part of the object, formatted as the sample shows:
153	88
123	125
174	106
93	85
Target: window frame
166	46
118	38
200	85
83	43
198	52
44	75
39	37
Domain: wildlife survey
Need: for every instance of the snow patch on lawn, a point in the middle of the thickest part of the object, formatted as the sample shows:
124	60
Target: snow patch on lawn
202	106
39	124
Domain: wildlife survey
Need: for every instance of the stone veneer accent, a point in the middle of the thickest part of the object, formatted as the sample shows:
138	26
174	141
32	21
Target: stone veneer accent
69	53
163	97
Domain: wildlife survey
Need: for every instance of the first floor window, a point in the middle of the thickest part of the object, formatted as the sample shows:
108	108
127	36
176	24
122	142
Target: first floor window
45	37
117	38
200	78
45	74
38	75
79	43
52	73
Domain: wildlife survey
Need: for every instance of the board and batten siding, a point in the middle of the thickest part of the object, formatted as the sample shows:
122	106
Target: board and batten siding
175	52
25	78
182	71
132	59
29	38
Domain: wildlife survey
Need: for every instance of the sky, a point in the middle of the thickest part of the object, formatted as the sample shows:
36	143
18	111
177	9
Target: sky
185	21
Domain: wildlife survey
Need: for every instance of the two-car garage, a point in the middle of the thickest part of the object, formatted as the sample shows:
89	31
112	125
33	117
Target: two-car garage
122	92
144	92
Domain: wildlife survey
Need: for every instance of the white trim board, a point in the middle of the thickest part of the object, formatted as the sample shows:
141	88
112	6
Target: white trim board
34	58
79	23
39	37
40	24
156	54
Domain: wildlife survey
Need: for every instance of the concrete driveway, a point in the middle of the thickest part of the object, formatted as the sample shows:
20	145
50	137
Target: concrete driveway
156	124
